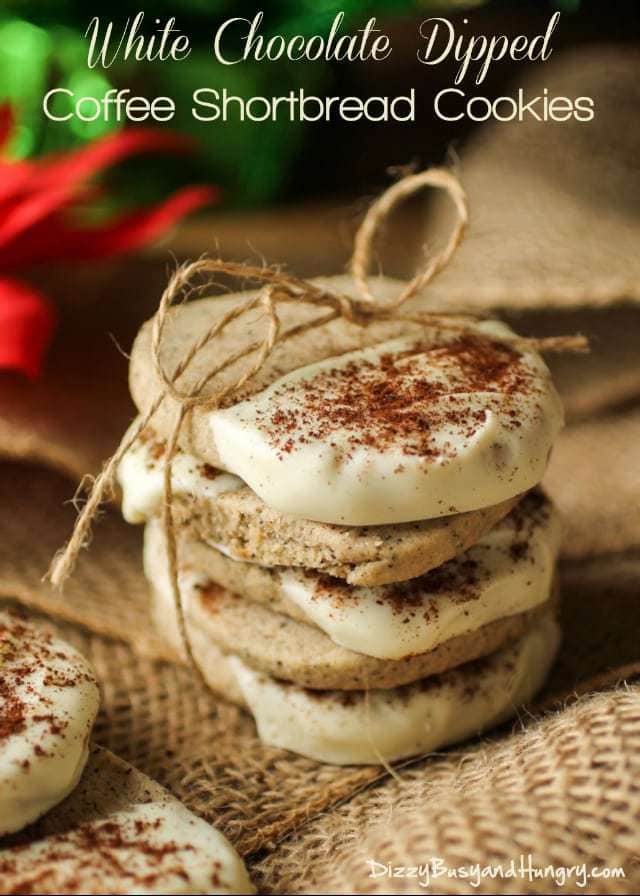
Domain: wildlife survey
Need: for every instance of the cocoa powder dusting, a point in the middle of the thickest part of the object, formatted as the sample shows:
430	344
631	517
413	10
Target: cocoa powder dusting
209	472
459	579
30	660
12	715
121	853
403	399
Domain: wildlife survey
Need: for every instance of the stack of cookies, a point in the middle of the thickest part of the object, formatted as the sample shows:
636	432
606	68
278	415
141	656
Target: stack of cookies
365	561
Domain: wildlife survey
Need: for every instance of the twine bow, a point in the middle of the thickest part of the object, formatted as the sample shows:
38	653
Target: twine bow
276	288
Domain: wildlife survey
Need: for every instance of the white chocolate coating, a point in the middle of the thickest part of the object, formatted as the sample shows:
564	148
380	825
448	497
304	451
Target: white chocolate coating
406	430
508	571
147	849
48	703
347	729
141	478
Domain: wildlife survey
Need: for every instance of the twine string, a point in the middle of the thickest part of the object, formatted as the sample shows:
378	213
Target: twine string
364	241
276	288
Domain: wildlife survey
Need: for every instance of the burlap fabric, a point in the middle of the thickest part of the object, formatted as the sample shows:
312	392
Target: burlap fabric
565	791
555	208
154	713
156	716
564	788
594	476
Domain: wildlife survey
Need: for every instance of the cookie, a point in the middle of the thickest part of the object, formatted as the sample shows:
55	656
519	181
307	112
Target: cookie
371	726
301	653
397	723
120	832
48	703
219	508
188	322
417	426
359	561
508	571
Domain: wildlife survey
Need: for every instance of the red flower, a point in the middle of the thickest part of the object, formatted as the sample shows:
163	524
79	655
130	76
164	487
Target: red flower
37	200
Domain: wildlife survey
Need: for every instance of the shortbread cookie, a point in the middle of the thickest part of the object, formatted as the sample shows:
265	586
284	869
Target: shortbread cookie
120	832
187	323
301	653
508	571
394	724
362	727
415	427
48	703
219	508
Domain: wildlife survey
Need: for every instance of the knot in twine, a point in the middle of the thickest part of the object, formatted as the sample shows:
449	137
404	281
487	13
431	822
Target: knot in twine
277	288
